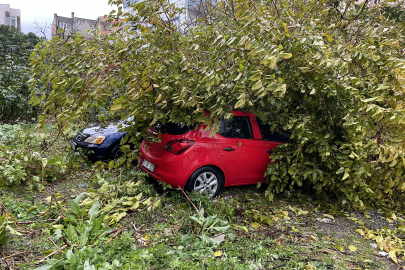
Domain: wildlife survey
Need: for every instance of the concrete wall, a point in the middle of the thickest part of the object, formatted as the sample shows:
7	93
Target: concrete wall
13	13
78	25
81	25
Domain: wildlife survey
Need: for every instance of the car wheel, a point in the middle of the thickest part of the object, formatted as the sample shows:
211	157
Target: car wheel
116	152
206	180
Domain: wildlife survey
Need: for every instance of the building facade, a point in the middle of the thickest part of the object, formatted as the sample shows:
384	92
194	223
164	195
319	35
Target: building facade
194	9
10	16
71	25
104	27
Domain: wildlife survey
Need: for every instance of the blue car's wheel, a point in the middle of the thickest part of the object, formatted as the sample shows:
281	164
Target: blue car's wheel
116	152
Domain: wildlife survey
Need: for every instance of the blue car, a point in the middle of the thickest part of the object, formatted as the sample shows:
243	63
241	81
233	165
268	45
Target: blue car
101	143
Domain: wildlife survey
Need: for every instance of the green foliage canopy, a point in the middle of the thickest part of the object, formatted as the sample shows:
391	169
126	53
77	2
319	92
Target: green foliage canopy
15	49
332	73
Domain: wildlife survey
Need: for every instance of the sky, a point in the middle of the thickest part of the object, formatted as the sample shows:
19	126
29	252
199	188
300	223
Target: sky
42	11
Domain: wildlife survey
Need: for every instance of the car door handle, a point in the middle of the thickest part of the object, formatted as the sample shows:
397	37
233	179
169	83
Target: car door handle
229	149
269	152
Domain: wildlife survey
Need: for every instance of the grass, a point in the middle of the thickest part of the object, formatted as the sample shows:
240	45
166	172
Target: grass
293	233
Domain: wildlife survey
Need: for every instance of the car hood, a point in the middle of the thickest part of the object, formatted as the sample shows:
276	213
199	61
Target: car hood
103	130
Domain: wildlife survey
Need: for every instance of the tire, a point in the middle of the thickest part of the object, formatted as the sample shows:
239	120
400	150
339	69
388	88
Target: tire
116	153
206	180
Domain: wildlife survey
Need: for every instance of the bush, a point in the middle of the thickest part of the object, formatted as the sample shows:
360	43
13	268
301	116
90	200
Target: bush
15	73
30	157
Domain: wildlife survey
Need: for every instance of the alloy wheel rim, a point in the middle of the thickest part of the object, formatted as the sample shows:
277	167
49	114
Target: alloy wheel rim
206	182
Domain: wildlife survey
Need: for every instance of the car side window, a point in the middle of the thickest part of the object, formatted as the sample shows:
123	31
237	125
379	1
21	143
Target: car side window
268	135
238	127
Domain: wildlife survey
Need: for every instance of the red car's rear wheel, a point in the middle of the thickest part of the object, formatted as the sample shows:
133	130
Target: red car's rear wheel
207	180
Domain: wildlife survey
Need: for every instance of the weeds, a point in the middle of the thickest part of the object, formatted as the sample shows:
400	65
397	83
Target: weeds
103	217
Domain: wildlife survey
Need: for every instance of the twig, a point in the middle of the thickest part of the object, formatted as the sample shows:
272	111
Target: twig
66	241
113	231
50	255
33	221
152	202
8	264
189	200
11	216
52	241
115	235
205	257
108	195
13	255
364	5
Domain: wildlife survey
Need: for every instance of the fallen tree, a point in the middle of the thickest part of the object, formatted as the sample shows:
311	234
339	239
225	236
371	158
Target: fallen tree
332	73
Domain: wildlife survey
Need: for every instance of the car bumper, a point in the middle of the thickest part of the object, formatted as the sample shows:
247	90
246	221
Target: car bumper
92	151
170	169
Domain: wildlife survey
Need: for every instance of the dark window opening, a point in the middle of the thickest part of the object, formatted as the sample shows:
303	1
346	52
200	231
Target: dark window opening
268	135
172	128
238	127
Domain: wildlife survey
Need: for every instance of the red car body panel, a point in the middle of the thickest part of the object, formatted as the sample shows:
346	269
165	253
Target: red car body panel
243	165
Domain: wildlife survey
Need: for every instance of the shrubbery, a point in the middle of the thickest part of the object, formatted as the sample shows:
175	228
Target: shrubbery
32	158
15	50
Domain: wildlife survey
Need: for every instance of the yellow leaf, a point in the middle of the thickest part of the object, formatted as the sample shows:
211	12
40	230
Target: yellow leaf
393	256
379	241
155	19
352	248
255	225
218	253
159	98
330	38
328	216
147	237
313	237
340	248
286	55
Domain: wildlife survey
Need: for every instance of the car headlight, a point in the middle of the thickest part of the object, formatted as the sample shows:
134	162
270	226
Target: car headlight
95	139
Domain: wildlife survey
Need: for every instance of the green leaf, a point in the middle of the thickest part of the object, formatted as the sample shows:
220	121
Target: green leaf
93	212
116	107
75	207
44	267
71	232
240	103
257	85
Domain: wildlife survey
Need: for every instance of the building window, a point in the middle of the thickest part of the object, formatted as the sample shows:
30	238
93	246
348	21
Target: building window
66	26
14	21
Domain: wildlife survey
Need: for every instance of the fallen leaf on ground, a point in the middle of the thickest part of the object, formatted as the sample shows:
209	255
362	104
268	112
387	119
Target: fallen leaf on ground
218	253
352	248
340	248
393	256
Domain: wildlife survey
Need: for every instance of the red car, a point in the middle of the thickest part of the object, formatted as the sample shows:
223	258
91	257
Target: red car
237	155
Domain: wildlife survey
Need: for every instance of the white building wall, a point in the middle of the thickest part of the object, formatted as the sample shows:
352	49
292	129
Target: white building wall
14	15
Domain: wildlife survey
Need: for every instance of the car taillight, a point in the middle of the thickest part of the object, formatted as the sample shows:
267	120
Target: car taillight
178	146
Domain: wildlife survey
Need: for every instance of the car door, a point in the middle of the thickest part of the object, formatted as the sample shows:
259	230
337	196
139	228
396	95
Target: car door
270	141
239	151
